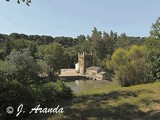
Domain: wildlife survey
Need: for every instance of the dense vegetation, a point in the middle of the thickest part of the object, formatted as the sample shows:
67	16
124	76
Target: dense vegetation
29	64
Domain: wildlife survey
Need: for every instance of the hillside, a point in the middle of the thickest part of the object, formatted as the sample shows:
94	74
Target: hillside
111	103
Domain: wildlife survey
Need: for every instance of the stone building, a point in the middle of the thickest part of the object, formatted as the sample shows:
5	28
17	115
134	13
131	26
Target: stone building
96	73
85	60
85	66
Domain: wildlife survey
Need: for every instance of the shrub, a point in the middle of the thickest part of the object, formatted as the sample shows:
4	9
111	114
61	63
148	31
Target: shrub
130	67
13	93
53	93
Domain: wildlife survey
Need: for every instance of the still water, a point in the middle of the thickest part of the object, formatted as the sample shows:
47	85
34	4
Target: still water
79	86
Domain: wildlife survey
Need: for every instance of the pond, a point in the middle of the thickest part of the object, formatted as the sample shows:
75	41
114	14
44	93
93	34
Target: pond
79	86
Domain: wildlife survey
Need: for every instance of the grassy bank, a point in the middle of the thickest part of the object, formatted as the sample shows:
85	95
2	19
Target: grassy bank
114	103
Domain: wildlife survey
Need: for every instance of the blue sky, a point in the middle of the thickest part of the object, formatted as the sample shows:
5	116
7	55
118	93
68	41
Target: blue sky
75	17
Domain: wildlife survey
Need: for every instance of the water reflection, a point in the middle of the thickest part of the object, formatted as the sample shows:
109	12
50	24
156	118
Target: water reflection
77	82
79	86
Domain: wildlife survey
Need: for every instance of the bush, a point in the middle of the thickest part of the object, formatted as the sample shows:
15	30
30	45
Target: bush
13	93
54	93
133	73
130	67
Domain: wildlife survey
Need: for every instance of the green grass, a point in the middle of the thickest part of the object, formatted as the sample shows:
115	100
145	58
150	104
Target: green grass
114	103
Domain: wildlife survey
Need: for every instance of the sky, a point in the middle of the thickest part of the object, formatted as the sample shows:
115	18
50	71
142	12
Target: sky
71	18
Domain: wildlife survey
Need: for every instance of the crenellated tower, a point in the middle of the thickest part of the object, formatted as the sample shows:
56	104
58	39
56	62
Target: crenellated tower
85	60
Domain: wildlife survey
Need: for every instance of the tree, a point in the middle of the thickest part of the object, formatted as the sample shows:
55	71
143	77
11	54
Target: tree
123	41
73	53
155	31
7	69
54	56
46	39
110	40
95	37
20	44
66	41
81	39
26	68
41	51
33	49
86	46
19	1
8	45
2	54
153	47
130	66
118	59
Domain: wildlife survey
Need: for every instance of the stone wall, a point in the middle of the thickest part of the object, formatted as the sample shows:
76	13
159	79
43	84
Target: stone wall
85	60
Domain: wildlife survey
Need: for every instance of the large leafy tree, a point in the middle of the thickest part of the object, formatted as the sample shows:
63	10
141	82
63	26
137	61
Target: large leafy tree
81	38
153	47
130	66
55	58
110	40
155	31
96	37
123	41
26	68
